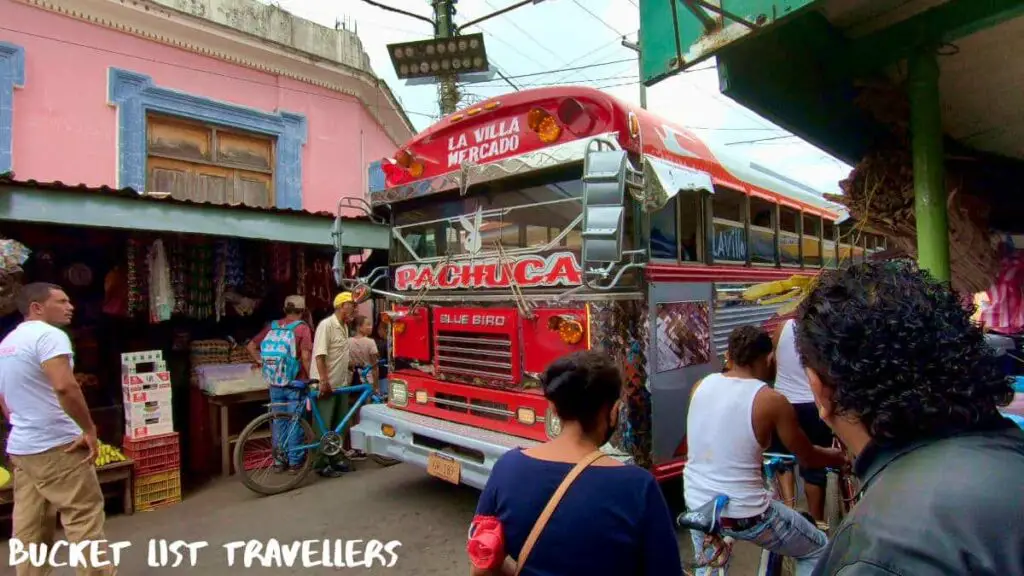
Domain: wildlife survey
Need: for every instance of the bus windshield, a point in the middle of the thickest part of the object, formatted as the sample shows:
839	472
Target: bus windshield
522	216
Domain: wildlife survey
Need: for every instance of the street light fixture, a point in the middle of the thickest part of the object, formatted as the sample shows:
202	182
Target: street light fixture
439	57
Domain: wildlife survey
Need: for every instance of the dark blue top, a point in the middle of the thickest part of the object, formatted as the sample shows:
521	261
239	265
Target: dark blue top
613	520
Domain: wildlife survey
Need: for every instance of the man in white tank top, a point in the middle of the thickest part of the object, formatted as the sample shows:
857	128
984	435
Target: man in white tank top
791	381
730	423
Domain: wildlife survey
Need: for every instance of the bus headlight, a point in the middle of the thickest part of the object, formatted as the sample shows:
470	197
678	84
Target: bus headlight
399	392
526	416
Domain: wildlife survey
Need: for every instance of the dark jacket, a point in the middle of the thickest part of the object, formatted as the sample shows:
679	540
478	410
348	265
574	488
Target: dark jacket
940	507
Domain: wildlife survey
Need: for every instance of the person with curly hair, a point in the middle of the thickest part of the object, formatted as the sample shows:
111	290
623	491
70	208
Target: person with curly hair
731	422
907	382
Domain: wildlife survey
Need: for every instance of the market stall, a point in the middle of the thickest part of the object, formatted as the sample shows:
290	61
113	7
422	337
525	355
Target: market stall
160	325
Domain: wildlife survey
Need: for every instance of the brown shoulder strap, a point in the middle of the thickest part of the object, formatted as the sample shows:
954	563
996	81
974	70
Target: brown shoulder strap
542	520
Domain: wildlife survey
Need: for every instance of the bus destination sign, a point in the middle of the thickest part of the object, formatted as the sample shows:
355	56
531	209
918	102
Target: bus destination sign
531	271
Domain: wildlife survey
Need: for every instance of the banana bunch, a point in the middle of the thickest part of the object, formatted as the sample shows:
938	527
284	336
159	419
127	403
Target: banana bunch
108	455
789	292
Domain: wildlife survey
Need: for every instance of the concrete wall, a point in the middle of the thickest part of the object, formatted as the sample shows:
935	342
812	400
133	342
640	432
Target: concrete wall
65	127
272	23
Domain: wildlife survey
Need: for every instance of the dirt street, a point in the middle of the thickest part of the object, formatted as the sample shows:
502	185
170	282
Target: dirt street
400	503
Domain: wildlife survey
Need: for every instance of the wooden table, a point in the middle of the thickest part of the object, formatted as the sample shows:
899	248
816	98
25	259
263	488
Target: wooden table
225	439
117	472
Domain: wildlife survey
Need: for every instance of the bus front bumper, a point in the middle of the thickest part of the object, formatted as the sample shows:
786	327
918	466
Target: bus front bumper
416	439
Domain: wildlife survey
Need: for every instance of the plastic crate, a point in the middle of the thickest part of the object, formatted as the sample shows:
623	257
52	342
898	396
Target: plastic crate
157	490
154	454
255	458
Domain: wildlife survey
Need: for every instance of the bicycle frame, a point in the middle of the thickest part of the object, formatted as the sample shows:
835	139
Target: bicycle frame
366	391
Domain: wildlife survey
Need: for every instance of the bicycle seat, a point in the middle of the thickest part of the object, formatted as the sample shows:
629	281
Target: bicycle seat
705	519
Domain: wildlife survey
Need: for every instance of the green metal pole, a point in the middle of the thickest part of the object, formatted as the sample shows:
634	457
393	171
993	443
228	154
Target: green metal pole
448	97
929	178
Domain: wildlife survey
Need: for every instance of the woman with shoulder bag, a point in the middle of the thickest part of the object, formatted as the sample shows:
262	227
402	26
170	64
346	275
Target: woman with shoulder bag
563	507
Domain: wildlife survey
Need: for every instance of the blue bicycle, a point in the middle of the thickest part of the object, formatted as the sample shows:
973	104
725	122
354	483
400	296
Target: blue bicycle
275	452
717	547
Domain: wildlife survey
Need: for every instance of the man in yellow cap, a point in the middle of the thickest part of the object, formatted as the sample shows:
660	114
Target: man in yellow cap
331	367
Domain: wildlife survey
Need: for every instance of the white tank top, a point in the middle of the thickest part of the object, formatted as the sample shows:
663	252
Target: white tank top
790	378
724	456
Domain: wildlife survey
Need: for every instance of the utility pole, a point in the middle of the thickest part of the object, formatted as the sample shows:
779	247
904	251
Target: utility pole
445	28
447	91
635	46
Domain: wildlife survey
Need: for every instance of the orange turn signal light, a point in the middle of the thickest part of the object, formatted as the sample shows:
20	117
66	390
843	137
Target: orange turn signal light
569	329
416	169
634	125
544	125
398	327
403	158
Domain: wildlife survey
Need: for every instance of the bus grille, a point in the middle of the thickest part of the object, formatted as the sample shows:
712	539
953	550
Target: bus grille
474	357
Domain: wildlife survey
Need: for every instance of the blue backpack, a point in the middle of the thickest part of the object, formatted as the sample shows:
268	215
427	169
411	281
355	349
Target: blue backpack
279	353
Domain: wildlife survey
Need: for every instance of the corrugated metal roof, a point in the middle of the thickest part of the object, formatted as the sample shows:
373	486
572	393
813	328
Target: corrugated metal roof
9	179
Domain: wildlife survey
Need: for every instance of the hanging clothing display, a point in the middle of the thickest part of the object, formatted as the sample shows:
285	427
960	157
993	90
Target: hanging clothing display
281	263
1005	309
161	293
115	292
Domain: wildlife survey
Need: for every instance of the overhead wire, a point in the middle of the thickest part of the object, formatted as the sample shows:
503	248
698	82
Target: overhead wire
599	19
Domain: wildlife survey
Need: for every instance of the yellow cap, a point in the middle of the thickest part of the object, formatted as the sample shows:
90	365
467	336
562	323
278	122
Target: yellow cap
342	298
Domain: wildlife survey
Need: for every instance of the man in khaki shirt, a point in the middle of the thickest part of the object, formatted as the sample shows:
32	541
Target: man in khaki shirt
331	356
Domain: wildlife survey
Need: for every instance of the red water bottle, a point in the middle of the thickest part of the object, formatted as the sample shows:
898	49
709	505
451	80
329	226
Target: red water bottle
486	546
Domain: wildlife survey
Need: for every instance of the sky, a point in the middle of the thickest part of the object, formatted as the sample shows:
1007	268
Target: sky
540	40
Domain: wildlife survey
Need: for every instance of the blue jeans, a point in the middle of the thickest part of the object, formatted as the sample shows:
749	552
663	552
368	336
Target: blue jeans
287	434
784	531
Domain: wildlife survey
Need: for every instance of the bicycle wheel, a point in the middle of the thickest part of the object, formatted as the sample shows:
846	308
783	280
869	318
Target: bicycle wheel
834	509
258	460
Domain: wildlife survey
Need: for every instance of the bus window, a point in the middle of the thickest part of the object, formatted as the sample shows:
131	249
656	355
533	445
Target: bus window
691	225
728	209
762	231
812	241
828	244
664	239
789	236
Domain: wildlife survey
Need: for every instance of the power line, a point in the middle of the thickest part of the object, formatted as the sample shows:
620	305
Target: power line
599	64
759	140
634	4
564	82
524	32
592	55
599	19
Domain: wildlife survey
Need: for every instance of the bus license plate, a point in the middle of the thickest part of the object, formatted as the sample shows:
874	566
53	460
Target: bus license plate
444	467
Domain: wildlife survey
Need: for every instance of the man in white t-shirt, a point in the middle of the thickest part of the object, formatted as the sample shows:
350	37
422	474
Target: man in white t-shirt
52	443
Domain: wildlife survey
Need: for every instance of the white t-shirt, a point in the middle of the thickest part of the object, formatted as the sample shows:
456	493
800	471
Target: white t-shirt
38	423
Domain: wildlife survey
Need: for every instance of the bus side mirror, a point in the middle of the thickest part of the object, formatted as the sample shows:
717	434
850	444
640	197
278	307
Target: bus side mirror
604	194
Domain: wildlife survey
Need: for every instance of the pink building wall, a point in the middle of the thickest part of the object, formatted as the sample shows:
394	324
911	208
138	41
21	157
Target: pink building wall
64	128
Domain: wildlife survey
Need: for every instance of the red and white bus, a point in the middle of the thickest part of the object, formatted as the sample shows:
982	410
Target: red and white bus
547	221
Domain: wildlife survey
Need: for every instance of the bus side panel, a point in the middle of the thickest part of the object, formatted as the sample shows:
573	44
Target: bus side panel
618	327
680	323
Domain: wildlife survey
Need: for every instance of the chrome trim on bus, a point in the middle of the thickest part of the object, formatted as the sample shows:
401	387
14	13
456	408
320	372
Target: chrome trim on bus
468	372
560	155
484	363
472	298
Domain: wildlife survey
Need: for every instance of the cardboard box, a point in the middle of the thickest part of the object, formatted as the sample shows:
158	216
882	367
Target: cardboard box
140	357
162	395
146	381
146	430
143	367
148	412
